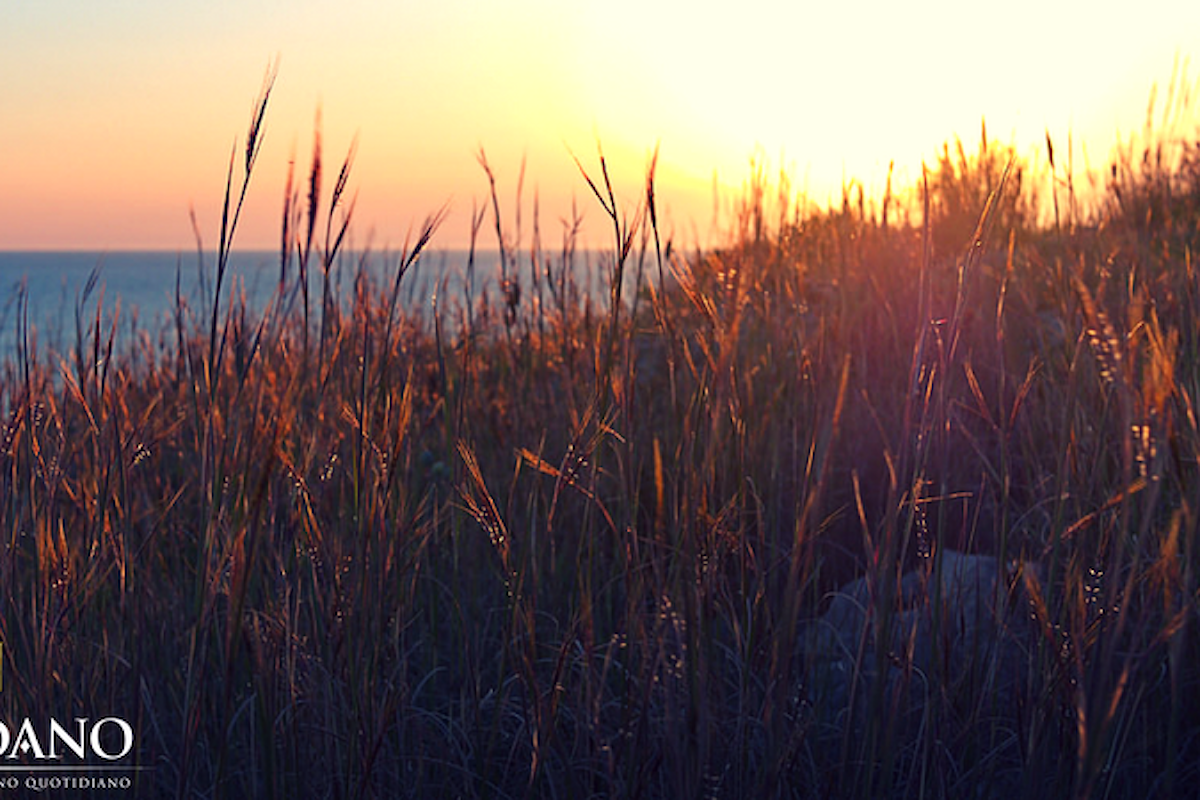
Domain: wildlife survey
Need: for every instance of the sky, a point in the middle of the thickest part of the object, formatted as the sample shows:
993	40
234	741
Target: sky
117	118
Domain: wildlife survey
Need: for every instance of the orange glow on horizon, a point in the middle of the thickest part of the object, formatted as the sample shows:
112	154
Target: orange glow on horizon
124	119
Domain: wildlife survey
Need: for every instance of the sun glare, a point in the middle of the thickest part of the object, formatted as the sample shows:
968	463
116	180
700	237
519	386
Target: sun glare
831	93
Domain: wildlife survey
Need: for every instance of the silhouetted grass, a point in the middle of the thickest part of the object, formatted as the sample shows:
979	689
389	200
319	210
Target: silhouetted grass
546	546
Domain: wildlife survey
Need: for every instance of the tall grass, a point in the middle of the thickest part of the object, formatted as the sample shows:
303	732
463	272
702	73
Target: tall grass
546	546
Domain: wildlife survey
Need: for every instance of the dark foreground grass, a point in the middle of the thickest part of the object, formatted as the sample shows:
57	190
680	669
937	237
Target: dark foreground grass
531	545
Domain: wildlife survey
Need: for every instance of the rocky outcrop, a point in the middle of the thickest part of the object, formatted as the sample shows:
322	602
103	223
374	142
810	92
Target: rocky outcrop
960	626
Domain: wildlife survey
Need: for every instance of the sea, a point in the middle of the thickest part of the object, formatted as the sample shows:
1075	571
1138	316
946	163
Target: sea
47	297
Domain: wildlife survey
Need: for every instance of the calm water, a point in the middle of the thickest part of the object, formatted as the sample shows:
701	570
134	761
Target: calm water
142	286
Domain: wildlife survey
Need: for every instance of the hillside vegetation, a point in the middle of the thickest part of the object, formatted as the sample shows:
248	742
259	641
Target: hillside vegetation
527	544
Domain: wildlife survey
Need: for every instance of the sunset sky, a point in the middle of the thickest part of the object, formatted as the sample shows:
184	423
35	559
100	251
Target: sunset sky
116	117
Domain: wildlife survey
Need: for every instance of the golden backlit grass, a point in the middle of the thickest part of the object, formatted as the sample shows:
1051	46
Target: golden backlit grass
540	545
